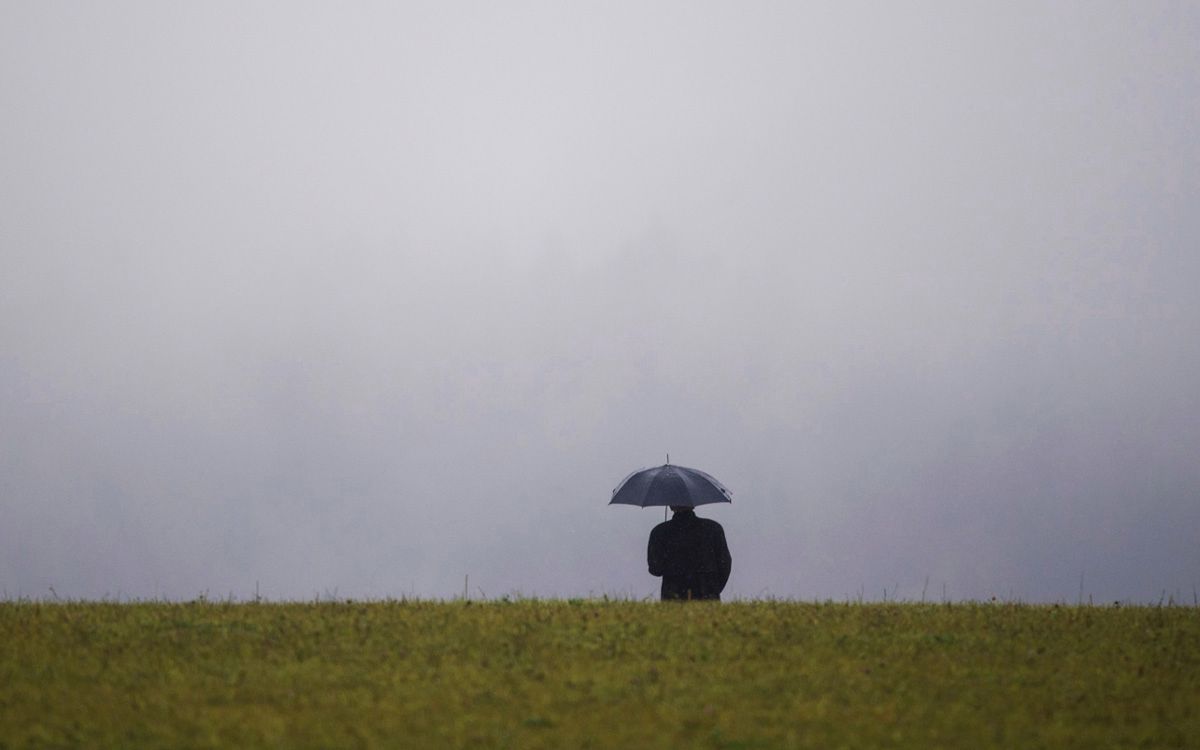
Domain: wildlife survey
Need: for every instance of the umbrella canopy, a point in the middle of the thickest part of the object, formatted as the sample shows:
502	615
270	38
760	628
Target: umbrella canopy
670	485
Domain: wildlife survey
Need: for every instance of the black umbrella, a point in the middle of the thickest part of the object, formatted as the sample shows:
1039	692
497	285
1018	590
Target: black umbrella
670	485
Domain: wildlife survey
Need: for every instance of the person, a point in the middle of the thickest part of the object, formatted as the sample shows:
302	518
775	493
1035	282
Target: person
691	555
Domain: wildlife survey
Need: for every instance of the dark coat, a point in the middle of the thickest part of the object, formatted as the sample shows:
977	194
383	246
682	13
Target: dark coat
691	555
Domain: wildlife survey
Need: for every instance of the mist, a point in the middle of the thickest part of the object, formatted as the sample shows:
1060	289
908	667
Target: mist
357	302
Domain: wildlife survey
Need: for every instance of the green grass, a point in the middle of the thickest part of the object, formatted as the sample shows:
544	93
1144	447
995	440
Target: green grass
532	674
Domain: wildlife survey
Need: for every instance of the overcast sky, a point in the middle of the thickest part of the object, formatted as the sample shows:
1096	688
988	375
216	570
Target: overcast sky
362	298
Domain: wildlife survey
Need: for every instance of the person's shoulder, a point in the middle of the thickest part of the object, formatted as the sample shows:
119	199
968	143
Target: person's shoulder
710	523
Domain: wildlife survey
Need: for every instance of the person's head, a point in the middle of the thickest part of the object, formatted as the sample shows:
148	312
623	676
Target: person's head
679	508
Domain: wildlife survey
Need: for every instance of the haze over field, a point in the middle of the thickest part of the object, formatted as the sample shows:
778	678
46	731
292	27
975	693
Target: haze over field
363	299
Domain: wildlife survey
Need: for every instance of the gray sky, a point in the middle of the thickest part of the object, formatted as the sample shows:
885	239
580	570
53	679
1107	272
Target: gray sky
365	297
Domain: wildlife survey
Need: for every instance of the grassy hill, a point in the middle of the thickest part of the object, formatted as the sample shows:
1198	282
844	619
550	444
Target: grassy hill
591	674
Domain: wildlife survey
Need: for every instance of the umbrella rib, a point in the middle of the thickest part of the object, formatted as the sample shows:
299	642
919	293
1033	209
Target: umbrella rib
717	485
653	481
629	476
687	483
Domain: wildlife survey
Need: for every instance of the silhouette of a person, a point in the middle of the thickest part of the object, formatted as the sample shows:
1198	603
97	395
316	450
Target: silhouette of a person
691	555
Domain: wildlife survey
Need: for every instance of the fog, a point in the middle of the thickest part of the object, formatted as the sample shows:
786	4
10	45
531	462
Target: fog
357	301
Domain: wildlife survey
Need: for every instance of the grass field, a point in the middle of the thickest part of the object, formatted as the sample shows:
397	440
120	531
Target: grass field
531	674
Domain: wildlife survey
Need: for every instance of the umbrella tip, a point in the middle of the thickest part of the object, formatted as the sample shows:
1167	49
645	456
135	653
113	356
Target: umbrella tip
668	458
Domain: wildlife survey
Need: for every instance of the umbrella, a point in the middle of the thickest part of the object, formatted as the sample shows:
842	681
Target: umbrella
670	485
